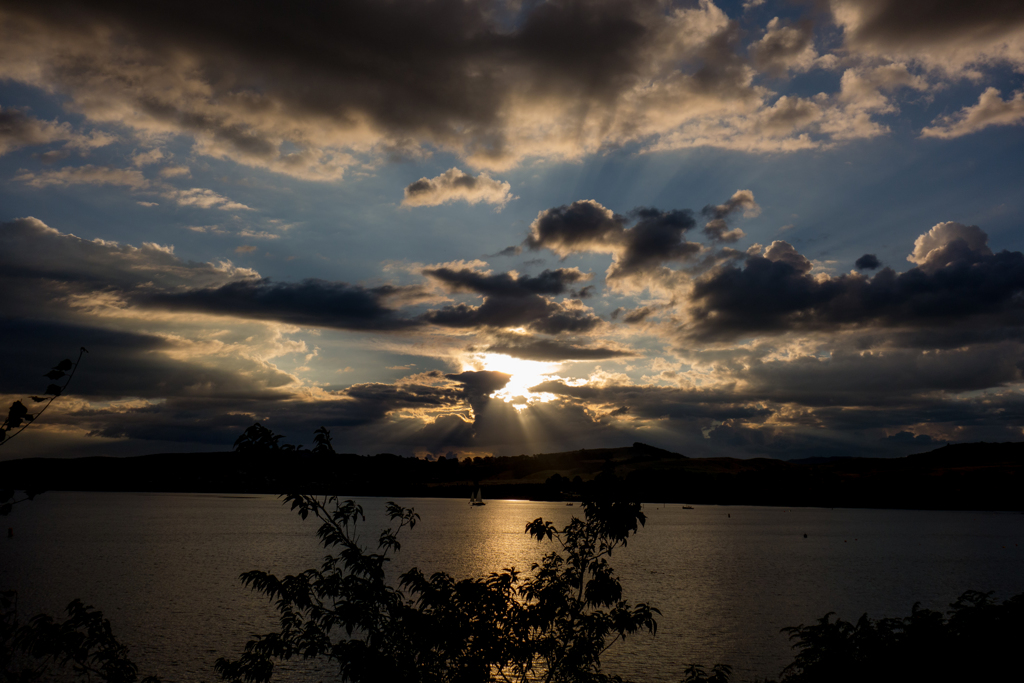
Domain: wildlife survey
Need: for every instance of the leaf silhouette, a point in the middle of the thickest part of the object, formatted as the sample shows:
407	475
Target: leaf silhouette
64	365
53	389
55	374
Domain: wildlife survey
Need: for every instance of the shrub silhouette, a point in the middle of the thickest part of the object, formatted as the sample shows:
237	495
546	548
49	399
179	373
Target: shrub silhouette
260	439
553	625
979	640
83	644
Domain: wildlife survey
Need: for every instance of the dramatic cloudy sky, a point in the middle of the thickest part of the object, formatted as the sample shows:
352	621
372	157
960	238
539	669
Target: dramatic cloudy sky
446	226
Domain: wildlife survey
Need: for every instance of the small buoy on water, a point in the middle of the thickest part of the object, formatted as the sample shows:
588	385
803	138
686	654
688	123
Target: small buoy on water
805	535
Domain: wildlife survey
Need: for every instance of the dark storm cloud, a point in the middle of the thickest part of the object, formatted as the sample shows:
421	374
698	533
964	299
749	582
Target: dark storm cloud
953	281
388	397
312	303
656	237
466	75
884	376
654	402
481	382
554	350
41	267
868	262
31	251
219	421
503	284
957	38
477	388
585	226
123	364
898	22
532	311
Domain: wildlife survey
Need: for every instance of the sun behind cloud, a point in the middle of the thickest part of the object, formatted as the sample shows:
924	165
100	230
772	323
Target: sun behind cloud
524	374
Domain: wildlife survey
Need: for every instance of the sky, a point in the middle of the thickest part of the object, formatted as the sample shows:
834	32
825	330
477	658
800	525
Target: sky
461	228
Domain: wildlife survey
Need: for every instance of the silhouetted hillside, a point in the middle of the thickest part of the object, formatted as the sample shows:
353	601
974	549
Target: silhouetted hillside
978	476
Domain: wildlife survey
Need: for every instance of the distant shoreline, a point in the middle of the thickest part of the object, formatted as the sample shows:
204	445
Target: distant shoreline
979	476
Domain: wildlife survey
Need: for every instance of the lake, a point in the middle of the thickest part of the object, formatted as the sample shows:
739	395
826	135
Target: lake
164	569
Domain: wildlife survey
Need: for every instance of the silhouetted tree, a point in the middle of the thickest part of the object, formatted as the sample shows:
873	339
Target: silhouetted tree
555	624
980	640
322	441
259	439
44	649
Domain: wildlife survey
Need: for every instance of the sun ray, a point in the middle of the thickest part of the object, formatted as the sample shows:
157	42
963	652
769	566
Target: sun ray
524	374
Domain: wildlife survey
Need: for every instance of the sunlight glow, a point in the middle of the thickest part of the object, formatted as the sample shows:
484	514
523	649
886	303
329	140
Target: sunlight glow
525	374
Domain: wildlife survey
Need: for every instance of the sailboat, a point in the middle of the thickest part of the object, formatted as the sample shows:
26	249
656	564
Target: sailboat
477	499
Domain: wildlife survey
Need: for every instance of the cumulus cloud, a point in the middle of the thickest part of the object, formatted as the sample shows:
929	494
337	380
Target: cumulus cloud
956	277
991	110
867	262
785	48
783	252
717	229
455	185
655	236
947	243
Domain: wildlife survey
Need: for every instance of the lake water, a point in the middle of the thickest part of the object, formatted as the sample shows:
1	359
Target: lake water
164	569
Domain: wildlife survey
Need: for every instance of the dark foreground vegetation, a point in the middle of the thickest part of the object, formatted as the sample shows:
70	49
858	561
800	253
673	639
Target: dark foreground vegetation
979	476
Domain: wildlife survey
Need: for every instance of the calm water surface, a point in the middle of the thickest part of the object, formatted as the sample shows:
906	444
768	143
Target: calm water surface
164	569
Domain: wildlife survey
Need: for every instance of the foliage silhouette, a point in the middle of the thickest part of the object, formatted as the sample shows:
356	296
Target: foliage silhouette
695	673
553	625
18	417
980	640
322	441
83	644
260	439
